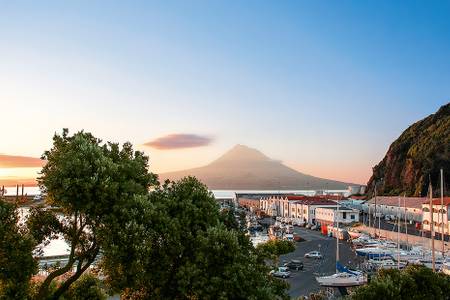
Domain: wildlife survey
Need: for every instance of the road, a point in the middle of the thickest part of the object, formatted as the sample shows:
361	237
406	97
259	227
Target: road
302	283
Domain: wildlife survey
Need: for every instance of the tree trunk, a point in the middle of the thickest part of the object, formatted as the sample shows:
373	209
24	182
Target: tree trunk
43	289
80	270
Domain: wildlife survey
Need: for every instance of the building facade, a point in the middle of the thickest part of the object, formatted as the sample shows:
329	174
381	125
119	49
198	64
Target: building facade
441	215
301	208
329	215
389	206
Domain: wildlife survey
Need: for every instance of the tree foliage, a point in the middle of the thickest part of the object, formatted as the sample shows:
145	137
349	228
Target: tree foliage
415	282
169	243
185	250
87	287
16	261
87	180
273	249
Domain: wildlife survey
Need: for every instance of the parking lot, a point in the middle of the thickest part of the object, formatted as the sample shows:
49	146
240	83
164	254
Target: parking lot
303	282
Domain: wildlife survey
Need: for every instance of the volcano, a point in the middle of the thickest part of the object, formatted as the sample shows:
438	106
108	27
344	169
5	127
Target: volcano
244	168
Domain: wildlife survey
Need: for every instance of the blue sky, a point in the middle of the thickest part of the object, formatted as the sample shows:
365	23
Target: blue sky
324	86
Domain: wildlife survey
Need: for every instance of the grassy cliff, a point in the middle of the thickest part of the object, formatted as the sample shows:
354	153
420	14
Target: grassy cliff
418	153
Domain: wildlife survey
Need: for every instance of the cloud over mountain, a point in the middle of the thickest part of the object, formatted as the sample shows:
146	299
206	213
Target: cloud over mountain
179	141
15	161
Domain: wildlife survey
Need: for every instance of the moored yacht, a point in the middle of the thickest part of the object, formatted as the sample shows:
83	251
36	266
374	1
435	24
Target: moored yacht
342	279
373	252
386	264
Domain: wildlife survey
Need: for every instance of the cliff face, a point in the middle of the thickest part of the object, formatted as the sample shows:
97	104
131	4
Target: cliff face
418	153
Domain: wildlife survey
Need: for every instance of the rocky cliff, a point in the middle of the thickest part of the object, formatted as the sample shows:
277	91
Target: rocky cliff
419	152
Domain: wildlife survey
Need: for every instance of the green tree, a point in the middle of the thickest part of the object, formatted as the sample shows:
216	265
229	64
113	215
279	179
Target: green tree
88	287
273	249
88	181
185	251
16	261
415	282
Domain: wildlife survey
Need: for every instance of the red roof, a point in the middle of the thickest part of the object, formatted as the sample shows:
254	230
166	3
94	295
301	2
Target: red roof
437	201
411	202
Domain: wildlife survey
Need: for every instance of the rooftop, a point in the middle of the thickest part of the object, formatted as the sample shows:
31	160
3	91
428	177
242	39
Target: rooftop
411	202
437	201
342	208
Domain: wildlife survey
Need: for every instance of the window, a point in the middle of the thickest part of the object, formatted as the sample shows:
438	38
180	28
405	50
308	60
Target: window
352	217
344	215
426	222
442	211
425	209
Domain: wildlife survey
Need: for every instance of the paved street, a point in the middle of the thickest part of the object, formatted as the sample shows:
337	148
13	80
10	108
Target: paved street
304	282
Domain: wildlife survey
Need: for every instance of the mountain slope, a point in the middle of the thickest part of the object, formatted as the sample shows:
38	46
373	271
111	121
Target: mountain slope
246	168
419	152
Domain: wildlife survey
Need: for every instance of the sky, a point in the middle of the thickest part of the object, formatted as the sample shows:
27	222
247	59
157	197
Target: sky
324	86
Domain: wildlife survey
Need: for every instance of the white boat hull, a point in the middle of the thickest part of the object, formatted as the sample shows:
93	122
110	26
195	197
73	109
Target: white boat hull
341	280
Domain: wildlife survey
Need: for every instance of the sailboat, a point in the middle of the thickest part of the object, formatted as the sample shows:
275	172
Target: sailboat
343	276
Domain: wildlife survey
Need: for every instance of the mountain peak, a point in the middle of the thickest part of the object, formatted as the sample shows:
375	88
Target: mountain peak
245	168
242	153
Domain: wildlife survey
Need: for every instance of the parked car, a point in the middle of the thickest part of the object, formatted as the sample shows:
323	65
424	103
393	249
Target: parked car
314	254
289	229
282	272
37	198
294	265
289	237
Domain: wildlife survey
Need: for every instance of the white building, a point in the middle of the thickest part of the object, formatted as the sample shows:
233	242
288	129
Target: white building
440	217
329	215
389	206
302	208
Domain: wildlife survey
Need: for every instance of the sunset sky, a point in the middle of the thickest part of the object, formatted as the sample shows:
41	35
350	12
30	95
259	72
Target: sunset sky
324	86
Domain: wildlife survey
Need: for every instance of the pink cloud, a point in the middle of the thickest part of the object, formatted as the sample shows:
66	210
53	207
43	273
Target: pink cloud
179	141
15	161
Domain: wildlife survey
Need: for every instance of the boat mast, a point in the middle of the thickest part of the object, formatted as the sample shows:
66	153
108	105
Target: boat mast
398	234
442	212
375	211
379	223
433	262
406	224
337	236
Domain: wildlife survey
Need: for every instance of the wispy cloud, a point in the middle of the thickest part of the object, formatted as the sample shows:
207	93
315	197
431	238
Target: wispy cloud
15	161
179	141
12	181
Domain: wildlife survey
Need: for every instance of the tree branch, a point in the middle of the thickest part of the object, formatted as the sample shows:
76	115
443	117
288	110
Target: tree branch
80	270
43	289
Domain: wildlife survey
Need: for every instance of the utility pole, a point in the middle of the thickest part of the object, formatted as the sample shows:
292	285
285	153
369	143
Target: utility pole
442	212
375	211
337	236
433	258
398	233
406	222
